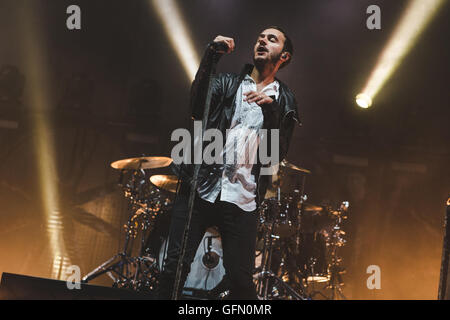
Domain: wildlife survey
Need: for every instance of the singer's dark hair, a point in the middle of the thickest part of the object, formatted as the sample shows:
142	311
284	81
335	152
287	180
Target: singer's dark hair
288	46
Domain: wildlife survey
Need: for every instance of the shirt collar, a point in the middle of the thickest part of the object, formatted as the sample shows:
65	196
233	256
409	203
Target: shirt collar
274	85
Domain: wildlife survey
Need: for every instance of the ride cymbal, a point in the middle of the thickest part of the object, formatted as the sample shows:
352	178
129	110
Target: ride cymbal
288	165
142	163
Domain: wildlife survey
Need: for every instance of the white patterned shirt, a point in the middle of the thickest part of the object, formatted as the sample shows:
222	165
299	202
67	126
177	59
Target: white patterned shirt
238	184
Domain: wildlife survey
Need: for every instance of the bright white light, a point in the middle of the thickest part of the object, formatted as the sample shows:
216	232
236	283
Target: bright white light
363	100
178	35
416	17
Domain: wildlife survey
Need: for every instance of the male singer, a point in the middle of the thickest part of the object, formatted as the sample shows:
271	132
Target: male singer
228	195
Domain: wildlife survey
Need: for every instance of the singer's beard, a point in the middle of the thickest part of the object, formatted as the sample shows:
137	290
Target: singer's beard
260	64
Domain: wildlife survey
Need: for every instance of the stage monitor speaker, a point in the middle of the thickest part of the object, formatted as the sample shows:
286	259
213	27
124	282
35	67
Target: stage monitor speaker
20	287
444	281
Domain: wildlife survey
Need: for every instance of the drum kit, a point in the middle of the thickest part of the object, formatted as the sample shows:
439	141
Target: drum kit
297	251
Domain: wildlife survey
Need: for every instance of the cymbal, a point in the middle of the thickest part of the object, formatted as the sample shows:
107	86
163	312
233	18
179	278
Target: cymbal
311	207
142	163
165	182
288	165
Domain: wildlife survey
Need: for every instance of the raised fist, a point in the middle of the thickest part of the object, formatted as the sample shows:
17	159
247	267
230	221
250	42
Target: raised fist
226	40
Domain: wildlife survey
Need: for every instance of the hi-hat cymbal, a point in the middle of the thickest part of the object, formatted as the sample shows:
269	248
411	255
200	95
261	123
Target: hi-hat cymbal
288	165
142	163
165	182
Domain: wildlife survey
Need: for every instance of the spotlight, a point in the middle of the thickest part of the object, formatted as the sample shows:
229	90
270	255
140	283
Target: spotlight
414	20
178	35
363	100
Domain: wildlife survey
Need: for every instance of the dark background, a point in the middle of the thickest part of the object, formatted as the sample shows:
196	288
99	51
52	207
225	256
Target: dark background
116	89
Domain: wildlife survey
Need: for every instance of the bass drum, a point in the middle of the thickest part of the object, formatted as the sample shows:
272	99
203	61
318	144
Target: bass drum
207	269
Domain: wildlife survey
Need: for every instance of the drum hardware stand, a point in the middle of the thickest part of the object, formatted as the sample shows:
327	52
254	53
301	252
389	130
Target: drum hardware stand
121	262
312	294
142	259
266	275
127	271
269	275
335	283
310	271
302	198
112	265
334	268
266	260
338	241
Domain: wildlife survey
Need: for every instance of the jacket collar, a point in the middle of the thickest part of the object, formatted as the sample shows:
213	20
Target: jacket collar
289	107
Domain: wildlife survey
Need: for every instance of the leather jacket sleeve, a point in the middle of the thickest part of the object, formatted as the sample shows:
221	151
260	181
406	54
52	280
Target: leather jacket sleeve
275	119
286	130
200	84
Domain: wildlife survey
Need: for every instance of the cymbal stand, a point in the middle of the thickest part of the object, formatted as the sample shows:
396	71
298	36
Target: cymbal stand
146	272
120	263
335	268
266	277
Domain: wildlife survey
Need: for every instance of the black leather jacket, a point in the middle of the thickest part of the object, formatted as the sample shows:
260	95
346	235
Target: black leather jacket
282	114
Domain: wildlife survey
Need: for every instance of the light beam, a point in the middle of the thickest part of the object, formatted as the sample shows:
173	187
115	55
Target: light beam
39	101
413	22
177	33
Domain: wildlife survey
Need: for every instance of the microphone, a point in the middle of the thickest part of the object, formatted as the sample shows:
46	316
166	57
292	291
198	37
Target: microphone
209	244
218	46
210	259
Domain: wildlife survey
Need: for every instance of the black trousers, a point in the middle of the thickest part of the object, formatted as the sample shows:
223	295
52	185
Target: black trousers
238	232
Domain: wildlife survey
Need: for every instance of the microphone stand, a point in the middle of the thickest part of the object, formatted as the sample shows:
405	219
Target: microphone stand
194	181
444	285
